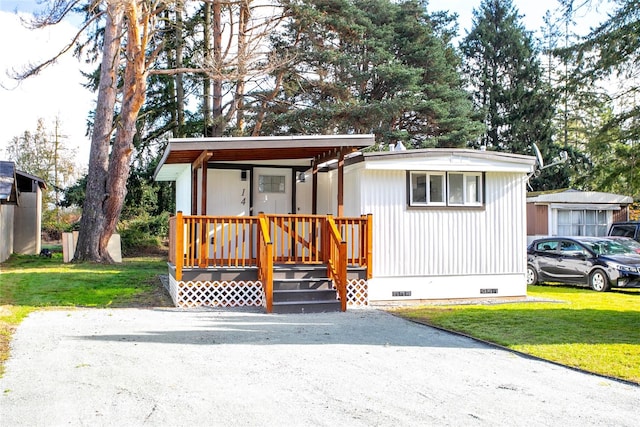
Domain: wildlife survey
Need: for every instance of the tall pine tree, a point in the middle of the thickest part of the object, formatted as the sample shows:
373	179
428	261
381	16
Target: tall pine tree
370	66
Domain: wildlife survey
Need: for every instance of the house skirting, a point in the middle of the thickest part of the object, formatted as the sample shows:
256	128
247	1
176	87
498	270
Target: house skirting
447	287
242	293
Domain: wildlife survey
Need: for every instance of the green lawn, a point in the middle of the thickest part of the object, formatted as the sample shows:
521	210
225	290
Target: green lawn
597	332
28	283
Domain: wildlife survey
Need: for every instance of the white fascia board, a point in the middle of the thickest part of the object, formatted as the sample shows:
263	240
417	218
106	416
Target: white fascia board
450	164
171	172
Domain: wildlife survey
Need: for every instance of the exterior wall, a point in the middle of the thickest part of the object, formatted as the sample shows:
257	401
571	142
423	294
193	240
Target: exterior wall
227	193
28	224
304	194
326	194
6	231
537	220
446	253
621	216
183	191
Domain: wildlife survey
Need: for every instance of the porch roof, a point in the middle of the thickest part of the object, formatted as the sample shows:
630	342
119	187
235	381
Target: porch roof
247	149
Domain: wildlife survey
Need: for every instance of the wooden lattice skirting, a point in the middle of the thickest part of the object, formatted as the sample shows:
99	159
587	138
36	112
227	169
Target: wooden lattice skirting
242	293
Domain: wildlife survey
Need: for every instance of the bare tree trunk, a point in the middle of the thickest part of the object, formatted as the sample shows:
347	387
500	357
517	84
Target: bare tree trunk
218	126
92	222
243	58
206	102
180	99
134	92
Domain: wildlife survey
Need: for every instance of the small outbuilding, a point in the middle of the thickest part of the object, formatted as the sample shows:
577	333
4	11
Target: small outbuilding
574	213
20	211
386	226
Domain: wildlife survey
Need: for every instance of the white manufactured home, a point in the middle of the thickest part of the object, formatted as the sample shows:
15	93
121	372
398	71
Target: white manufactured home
260	219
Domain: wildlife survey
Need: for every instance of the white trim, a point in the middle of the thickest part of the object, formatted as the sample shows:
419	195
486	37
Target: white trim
585	206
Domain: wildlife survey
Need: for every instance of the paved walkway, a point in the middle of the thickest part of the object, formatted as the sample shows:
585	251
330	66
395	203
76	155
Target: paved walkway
168	367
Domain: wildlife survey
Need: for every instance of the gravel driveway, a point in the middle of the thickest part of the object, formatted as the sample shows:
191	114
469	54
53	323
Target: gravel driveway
172	367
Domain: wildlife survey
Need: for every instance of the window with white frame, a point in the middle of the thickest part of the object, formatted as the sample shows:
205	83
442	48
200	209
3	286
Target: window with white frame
582	222
445	189
271	184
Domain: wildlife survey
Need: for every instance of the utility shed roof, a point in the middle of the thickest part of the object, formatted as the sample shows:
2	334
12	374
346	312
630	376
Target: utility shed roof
8	190
13	181
186	151
575	196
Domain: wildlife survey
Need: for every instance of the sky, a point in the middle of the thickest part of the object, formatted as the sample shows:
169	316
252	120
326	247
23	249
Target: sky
58	90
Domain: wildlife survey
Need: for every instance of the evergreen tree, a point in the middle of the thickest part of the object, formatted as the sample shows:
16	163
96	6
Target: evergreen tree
604	69
504	72
509	87
369	66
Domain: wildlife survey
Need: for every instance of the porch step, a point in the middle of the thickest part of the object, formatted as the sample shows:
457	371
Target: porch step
299	271
303	289
306	306
303	283
304	295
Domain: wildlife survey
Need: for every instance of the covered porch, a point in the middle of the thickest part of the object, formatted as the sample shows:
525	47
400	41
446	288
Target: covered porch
247	231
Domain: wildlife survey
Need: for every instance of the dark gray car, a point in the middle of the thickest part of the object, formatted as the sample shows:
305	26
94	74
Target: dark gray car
598	262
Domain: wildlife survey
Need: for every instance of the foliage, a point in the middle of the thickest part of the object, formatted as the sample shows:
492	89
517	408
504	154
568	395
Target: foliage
143	234
370	66
603	66
502	64
597	332
44	154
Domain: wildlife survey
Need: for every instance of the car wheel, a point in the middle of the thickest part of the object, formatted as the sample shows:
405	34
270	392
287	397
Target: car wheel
532	275
599	281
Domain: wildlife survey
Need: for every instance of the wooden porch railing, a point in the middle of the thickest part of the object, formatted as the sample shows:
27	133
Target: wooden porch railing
336	257
265	261
198	241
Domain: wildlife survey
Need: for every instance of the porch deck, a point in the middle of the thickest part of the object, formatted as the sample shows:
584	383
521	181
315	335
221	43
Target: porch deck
230	261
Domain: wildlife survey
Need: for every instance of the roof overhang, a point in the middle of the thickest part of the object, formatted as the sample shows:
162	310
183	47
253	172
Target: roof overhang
448	159
296	150
580	197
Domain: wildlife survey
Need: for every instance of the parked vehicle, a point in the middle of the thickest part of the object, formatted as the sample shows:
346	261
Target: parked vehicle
598	262
628	242
628	229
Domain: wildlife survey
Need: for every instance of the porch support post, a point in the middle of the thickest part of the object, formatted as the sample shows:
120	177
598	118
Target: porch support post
201	162
194	191
341	184
369	246
314	187
179	247
203	191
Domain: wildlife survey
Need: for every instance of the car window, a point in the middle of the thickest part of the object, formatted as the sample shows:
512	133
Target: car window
571	249
547	246
627	230
606	247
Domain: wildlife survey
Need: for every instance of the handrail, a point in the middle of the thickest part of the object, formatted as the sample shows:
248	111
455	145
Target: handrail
336	259
179	245
201	241
265	261
297	238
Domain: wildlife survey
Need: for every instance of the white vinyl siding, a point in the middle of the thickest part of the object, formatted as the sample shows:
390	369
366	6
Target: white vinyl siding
446	242
183	191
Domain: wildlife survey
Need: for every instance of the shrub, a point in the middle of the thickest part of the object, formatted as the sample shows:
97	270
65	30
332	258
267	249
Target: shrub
144	234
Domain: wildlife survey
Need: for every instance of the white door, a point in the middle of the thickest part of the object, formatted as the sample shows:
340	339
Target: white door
272	190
